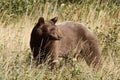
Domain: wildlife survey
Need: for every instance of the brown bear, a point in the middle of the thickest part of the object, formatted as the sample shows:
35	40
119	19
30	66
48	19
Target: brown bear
57	40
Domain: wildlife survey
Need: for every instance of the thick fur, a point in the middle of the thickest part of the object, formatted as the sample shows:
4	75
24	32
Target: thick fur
47	38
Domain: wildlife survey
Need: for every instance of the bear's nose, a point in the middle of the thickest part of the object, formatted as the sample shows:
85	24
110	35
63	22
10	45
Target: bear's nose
59	37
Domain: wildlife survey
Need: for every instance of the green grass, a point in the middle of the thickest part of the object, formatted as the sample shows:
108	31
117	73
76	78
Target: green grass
15	28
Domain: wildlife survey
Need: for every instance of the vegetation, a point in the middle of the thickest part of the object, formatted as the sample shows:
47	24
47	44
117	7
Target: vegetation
18	17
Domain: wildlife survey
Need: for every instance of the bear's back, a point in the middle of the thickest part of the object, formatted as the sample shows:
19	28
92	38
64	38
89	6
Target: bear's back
75	30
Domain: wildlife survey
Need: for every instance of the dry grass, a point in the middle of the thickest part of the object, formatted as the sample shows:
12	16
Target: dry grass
15	54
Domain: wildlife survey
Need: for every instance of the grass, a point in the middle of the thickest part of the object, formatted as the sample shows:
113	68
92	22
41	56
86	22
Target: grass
15	54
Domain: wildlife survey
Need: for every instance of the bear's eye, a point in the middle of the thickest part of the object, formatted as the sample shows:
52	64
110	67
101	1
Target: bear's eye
44	29
52	29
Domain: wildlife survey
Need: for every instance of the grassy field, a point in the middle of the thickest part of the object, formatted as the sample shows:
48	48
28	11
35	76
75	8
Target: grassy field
17	22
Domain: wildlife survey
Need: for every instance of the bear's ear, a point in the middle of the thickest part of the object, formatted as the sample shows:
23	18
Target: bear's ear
54	19
41	20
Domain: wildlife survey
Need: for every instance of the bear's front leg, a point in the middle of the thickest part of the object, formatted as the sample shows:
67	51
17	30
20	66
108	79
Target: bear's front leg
54	58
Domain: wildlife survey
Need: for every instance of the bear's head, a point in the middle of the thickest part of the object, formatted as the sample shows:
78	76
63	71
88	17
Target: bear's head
48	29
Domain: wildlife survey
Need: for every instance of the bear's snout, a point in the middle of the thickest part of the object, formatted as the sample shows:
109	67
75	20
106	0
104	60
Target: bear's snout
59	37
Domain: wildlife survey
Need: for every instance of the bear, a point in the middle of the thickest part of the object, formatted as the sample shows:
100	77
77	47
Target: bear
57	40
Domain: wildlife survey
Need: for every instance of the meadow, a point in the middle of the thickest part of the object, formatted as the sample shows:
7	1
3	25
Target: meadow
18	17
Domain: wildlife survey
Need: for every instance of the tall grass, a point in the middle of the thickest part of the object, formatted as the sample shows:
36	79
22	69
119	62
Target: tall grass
16	57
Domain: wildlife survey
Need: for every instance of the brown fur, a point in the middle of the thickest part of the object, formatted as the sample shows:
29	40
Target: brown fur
58	40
